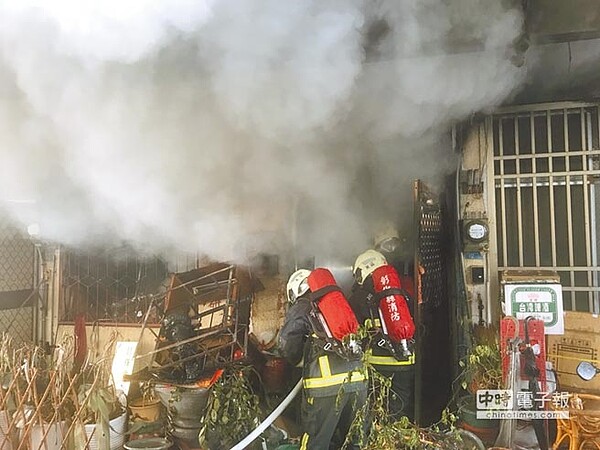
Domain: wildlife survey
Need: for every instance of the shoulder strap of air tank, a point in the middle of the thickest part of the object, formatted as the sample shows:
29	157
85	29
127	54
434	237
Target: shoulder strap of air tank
320	293
391	291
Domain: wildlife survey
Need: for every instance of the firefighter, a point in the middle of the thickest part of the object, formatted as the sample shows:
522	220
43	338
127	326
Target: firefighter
391	351
396	251
333	386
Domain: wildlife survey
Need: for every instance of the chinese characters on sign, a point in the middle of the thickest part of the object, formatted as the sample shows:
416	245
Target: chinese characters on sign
542	301
494	399
500	404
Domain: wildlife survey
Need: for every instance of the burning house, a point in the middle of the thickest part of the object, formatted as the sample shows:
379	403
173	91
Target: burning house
165	168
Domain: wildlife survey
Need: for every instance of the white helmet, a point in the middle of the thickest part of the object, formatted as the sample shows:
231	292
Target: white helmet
366	263
297	285
386	238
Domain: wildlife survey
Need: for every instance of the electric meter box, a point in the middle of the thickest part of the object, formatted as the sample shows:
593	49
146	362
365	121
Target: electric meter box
475	235
536	293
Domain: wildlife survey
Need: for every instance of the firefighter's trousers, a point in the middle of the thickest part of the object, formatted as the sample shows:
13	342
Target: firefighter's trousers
321	416
402	395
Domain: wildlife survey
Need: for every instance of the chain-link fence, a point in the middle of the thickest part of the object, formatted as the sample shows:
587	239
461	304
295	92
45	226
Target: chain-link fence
16	282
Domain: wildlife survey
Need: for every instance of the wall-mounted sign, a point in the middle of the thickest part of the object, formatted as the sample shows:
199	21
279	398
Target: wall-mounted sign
542	301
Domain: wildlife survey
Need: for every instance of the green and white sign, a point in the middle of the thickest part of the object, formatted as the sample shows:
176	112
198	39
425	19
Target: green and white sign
542	301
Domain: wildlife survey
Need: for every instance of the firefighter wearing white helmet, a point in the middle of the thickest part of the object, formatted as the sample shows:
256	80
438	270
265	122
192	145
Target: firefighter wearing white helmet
365	300
297	285
333	388
386	238
365	265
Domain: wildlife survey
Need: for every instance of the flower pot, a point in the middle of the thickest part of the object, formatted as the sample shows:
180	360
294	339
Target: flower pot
185	422
467	413
485	429
185	408
55	433
487	435
148	411
189	435
117	430
183	401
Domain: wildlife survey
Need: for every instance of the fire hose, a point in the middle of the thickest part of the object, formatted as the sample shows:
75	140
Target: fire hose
270	419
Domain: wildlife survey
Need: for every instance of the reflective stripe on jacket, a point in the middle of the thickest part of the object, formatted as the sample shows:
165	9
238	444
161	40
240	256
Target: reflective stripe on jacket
324	372
379	357
389	362
329	372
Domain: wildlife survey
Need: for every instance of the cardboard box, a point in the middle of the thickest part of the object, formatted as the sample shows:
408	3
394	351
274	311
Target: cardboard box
529	276
581	342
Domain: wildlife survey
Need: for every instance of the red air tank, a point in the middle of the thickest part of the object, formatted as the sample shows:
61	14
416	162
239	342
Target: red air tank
393	307
332	304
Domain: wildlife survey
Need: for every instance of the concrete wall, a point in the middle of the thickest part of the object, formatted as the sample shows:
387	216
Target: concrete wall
553	18
98	339
474	205
268	310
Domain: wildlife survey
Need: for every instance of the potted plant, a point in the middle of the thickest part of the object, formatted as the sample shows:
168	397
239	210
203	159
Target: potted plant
105	418
233	409
146	408
481	369
43	405
386	432
99	407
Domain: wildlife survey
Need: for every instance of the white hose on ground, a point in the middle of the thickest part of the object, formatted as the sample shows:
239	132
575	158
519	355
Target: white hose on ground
269	420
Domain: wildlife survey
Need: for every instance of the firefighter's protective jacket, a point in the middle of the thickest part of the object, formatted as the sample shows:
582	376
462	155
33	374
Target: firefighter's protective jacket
365	308
324	372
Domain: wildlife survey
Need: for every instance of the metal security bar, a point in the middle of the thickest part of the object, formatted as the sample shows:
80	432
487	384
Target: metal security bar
431	310
430	276
115	285
546	170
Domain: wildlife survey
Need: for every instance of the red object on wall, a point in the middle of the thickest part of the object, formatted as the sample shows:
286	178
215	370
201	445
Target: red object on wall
333	305
393	308
536	336
80	339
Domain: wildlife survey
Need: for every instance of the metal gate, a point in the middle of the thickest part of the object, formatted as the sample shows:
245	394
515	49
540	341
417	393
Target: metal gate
546	169
432	314
17	293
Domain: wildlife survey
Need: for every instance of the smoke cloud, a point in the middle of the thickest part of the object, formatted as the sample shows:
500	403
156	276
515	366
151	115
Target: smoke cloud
235	126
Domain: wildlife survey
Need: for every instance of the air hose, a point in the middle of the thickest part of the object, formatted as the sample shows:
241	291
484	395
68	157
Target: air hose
270	419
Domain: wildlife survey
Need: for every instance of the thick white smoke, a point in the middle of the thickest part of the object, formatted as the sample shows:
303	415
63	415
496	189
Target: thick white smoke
211	125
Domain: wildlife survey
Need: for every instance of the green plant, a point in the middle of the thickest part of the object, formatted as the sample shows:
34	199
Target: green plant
482	368
385	433
382	432
232	410
97	396
148	394
101	406
97	400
